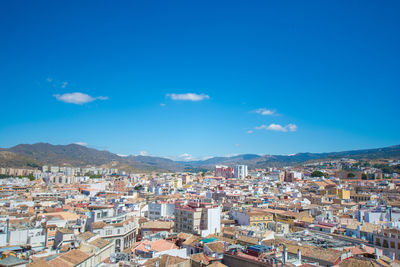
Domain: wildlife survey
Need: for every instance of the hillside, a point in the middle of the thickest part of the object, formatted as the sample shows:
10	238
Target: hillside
35	155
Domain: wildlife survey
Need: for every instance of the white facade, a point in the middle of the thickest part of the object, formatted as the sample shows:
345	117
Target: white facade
27	236
241	217
213	222
240	171
160	210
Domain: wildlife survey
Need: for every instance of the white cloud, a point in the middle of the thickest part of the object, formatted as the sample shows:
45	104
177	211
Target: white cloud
185	157
231	155
122	155
292	127
188	97
250	131
278	128
265	112
78	98
49	79
143	153
162	104
188	157
81	143
237	145
64	84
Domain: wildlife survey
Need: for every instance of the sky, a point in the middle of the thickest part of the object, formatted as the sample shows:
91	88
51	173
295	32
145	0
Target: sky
195	79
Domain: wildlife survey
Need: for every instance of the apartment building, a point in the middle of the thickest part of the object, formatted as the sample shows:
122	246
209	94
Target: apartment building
249	217
224	171
160	210
121	185
240	171
198	218
110	225
389	241
123	234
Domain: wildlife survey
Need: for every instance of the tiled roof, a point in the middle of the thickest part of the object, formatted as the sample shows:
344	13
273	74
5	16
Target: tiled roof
39	263
75	256
199	257
98	225
86	235
157	245
192	241
58	262
166	260
217	247
99	242
157	225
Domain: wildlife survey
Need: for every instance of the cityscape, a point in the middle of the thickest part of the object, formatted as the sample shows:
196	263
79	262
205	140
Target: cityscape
325	212
199	133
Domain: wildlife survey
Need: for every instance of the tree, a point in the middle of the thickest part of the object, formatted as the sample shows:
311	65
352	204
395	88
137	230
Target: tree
138	187
317	174
364	176
351	175
31	177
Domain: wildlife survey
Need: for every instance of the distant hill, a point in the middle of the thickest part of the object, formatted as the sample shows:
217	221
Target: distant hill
36	155
25	155
72	154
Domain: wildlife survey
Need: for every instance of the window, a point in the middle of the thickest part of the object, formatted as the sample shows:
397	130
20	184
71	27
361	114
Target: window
392	245
385	243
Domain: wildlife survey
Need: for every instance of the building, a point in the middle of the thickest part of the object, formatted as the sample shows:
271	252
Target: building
224	171
198	218
291	176
249	217
389	241
112	226
120	185
240	171
161	210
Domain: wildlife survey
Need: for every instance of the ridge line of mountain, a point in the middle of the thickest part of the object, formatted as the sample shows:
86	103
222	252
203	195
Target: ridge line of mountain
38	154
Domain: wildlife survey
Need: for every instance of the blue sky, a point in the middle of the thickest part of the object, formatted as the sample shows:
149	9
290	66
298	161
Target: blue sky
192	79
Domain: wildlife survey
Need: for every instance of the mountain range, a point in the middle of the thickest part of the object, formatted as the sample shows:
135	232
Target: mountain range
36	155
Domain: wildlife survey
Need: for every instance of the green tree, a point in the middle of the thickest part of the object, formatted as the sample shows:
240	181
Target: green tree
138	187
317	174
351	175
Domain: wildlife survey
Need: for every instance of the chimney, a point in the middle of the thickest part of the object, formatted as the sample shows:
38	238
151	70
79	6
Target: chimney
299	254
376	253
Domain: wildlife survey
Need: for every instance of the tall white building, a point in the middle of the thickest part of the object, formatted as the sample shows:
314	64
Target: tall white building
161	210
240	171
